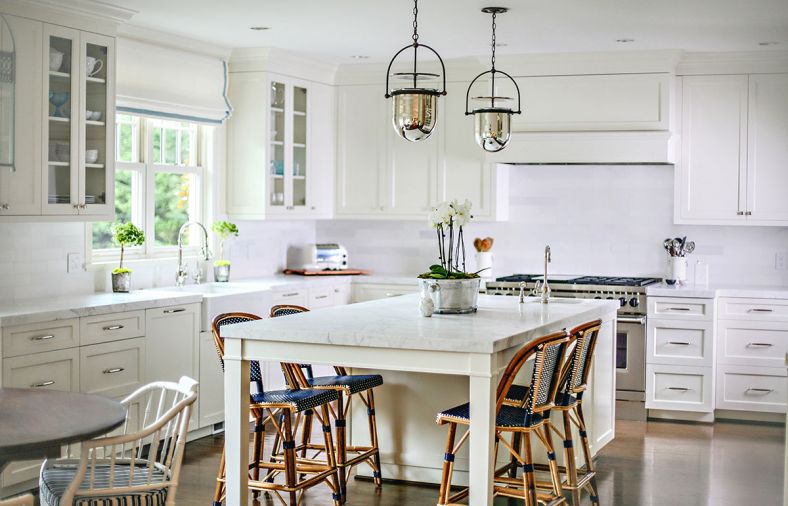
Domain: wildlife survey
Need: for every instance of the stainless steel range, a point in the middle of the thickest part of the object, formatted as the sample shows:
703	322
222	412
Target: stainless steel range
631	327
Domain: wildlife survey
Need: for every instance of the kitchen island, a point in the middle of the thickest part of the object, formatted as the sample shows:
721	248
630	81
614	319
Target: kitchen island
390	335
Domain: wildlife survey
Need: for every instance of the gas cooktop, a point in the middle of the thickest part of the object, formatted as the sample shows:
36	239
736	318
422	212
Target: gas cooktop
580	280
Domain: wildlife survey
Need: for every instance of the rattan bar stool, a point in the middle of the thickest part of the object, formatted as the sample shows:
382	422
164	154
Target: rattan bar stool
521	424
349	386
278	407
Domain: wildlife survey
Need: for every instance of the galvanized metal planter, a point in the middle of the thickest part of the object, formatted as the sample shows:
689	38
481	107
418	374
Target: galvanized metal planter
121	282
221	273
452	296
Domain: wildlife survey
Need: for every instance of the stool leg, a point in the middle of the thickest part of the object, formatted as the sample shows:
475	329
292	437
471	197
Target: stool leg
569	459
339	423
328	441
587	454
306	434
276	444
288	443
555	475
529	483
219	491
448	466
517	445
373	435
257	453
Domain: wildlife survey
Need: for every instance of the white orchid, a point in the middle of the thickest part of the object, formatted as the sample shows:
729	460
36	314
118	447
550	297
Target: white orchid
448	218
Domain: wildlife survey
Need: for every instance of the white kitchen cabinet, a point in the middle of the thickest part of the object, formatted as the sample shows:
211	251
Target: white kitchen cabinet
171	342
679	388
280	155
20	187
732	162
112	369
211	395
363	292
743	388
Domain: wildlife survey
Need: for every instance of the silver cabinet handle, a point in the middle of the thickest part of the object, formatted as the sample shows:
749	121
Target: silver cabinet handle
625	319
178	310
42	338
43	384
5	207
760	390
290	294
759	345
321	297
114	370
112	327
389	294
678	309
760	310
747	213
679	389
739	213
679	343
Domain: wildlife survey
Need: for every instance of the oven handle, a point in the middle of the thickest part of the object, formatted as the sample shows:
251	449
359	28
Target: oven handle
631	319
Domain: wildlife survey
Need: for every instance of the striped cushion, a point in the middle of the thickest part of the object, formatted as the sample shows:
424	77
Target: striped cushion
299	400
56	478
508	417
353	384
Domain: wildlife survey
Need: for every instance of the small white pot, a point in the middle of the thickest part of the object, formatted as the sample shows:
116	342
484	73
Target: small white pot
484	260
677	269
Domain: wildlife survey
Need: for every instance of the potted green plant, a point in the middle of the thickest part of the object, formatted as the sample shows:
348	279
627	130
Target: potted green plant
125	234
451	288
221	267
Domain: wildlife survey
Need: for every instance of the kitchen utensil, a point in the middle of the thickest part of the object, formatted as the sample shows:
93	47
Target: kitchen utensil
675	245
690	247
667	244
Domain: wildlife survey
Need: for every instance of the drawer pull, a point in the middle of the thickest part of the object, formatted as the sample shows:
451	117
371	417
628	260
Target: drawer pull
760	390
321	297
679	389
178	310
113	327
42	338
759	345
42	384
679	343
760	310
114	370
290	294
678	309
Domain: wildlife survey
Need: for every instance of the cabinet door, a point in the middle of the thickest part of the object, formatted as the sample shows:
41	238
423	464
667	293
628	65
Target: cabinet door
171	342
20	187
711	173
96	117
410	186
362	118
61	117
322	151
767	149
211	383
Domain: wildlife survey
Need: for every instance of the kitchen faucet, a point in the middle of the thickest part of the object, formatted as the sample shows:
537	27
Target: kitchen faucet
183	272
543	289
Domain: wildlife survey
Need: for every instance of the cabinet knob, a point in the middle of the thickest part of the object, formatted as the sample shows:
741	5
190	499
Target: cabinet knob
747	213
5	207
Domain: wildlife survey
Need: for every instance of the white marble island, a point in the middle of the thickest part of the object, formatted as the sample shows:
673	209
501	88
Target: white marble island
434	362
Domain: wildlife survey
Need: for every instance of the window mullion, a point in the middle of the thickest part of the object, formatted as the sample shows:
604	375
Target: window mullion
150	192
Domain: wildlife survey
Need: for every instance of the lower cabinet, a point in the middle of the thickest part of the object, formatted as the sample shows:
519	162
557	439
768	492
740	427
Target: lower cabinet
113	369
751	389
211	394
679	388
373	291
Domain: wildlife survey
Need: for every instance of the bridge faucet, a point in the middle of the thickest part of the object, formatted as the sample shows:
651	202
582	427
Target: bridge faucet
543	288
183	272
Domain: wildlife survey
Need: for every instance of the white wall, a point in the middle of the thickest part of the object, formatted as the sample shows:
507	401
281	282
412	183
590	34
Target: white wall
606	220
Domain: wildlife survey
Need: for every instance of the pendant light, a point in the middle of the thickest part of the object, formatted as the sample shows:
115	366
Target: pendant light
492	123
415	108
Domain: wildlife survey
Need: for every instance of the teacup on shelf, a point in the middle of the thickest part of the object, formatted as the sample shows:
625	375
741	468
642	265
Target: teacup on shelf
91	155
93	115
93	65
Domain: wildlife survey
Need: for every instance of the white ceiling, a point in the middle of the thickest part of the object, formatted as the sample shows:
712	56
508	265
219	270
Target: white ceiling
337	29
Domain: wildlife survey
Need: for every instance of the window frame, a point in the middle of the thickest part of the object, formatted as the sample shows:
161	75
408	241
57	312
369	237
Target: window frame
143	206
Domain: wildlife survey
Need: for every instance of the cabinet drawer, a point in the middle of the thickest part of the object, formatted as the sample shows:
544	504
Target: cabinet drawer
292	297
112	369
759	344
753	309
681	308
320	297
680	342
680	388
55	370
342	295
111	327
744	388
38	337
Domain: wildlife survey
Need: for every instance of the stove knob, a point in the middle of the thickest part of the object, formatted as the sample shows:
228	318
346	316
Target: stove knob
634	302
597	297
622	301
610	297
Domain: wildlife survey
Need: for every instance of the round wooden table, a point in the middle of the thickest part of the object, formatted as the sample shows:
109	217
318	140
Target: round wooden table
36	423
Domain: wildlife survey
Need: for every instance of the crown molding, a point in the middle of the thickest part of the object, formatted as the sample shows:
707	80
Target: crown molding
280	61
82	14
738	62
173	41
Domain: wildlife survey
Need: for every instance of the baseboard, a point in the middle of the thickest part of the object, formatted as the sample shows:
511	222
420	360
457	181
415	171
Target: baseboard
683	416
750	416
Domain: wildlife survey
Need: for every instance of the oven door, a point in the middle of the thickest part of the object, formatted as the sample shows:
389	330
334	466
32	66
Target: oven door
631	353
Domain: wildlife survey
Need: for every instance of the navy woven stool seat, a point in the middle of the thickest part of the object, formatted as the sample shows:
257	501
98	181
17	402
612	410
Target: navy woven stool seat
508	416
296	400
352	384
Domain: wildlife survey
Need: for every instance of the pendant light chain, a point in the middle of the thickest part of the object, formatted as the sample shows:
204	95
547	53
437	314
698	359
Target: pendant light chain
493	42
415	22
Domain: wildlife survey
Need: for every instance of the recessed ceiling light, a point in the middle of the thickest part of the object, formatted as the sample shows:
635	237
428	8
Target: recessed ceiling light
359	57
625	41
259	28
768	43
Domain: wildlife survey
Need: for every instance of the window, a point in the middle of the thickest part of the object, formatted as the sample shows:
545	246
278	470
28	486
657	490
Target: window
158	176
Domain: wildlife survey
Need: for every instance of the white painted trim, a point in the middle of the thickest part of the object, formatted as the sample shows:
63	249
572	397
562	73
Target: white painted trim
280	61
749	62
172	41
89	15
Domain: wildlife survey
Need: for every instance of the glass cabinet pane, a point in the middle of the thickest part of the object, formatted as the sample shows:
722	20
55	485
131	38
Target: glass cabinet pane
95	118
277	145
299	145
7	96
60	113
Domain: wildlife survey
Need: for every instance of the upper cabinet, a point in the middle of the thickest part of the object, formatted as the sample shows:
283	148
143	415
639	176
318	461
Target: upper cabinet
733	163
64	110
280	156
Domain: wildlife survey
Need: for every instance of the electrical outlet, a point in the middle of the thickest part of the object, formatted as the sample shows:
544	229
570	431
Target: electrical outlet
781	260
75	262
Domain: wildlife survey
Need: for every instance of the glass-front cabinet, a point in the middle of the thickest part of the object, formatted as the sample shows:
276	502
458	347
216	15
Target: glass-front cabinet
78	123
288	147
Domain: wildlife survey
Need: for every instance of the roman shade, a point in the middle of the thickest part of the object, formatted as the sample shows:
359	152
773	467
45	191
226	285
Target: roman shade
155	80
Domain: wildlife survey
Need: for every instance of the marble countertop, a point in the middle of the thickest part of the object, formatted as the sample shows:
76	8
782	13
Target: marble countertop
500	322
721	290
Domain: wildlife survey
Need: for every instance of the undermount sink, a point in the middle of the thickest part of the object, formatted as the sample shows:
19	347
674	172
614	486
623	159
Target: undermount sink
229	297
211	288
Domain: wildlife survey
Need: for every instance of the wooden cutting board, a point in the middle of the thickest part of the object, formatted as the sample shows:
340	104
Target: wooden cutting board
346	272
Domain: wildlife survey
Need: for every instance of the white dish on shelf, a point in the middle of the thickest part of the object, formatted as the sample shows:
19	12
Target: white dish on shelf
91	155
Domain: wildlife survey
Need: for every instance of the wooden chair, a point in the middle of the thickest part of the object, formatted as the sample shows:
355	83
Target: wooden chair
349	386
20	500
139	467
278	408
520	423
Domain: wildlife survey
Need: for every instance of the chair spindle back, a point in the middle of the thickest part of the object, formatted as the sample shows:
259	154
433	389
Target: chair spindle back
255	375
579	364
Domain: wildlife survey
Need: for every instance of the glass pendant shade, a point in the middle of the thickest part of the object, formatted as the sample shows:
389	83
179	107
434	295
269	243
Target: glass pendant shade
414	114
492	129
